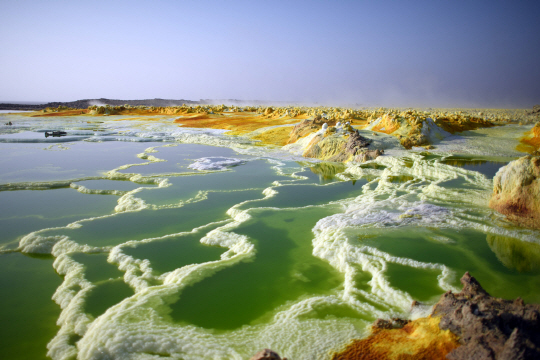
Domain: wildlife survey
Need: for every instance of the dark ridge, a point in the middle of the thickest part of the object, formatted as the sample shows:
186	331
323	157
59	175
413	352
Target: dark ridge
83	104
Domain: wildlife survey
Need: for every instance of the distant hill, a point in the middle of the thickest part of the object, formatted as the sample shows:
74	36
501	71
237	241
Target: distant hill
83	104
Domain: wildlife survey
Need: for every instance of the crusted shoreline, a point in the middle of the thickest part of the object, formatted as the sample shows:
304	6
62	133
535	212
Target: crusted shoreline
468	325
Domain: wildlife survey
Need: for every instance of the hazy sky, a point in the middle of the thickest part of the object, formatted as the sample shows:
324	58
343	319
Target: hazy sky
390	53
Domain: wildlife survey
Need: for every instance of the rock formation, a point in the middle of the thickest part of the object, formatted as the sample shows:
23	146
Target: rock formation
421	128
304	128
267	354
535	110
333	146
356	142
467	325
516	191
531	141
330	148
488	327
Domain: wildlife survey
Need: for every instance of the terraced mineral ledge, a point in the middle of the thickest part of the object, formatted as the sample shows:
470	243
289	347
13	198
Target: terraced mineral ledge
216	232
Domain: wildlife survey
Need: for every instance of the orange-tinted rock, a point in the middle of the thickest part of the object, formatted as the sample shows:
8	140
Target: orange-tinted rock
387	125
531	141
516	191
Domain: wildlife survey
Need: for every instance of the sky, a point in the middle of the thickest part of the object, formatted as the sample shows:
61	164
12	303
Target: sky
370	53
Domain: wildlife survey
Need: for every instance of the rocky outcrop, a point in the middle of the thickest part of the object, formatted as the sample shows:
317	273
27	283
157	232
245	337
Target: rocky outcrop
420	128
535	110
304	128
468	325
337	144
366	155
267	354
331	148
488	327
356	142
531	141
516	191
412	140
336	148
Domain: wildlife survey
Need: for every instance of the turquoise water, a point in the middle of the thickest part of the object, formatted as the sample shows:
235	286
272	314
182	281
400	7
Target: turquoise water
133	249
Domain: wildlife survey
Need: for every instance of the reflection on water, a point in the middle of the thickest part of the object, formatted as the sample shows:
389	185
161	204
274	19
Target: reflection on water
373	165
327	171
487	167
400	178
515	254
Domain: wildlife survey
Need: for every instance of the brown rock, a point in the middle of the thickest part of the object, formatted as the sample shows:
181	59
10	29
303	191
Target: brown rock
488	327
356	142
266	354
468	325
366	155
414	140
304	128
395	323
318	120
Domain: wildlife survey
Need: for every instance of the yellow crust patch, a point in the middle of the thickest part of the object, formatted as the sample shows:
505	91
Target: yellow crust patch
239	123
387	125
421	339
276	136
531	141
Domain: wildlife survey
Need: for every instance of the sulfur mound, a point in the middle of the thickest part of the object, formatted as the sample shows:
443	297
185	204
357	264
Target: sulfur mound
420	128
516	191
531	141
329	148
467	325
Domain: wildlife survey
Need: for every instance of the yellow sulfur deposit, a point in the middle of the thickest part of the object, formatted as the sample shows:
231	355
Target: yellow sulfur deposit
421	339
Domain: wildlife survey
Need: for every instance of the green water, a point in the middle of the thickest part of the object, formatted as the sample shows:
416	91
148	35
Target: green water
297	256
29	315
26	211
282	270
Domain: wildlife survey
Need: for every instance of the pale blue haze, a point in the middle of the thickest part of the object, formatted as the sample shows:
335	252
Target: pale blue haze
390	53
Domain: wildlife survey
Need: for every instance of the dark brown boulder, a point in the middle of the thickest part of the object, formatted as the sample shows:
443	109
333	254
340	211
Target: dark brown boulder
356	142
469	325
488	327
267	354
